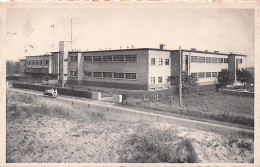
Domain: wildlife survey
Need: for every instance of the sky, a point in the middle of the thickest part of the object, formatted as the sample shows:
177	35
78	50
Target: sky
29	31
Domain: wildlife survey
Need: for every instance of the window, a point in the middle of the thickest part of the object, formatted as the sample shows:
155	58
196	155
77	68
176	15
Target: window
152	79
152	88
194	58
208	74
194	74
214	74
97	74
160	62
87	58
208	59
167	79
118	75
87	74
107	58
73	58
130	75
33	62
29	62
201	59
201	75
152	61
159	79
225	60
214	60
73	73
240	61
36	62
40	62
220	60
130	57
46	61
107	74
160	88
97	58
118	58
167	62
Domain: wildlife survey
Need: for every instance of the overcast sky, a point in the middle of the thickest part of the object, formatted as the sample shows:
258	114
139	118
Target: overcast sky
224	30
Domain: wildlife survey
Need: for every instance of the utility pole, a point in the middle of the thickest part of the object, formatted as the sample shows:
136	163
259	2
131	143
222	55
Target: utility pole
180	78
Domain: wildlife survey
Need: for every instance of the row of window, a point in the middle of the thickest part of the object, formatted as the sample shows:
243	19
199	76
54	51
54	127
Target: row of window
160	79
106	75
37	70
107	58
160	61
205	74
37	62
201	59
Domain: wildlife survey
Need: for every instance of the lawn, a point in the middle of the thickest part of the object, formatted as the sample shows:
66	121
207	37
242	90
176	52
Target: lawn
206	106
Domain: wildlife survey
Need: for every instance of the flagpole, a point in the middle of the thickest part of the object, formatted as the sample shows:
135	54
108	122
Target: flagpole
180	77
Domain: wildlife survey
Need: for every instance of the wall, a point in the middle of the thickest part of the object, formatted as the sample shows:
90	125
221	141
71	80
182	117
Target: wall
157	70
139	67
22	68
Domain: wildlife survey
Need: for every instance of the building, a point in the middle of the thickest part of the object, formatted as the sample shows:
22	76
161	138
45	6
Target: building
140	68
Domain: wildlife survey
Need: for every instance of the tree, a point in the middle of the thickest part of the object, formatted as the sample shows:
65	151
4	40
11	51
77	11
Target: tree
189	83
12	67
244	76
225	78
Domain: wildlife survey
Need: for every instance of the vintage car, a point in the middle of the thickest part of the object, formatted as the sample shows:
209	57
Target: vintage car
51	93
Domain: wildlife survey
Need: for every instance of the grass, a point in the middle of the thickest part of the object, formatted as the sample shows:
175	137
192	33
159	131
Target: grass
207	105
156	146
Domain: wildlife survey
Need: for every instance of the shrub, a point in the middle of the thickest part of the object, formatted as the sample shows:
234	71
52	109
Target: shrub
156	146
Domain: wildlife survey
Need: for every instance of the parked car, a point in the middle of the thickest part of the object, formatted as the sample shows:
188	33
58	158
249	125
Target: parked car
51	93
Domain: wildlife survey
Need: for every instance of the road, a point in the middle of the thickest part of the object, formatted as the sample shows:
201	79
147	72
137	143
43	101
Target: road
107	105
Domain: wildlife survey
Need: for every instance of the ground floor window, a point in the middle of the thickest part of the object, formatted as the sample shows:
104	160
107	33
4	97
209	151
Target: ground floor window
107	74
97	74
130	75
214	74
73	73
159	79
152	79
208	74
118	75
87	74
201	75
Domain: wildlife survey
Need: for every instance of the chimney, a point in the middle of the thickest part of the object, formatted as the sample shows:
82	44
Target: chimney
193	49
231	53
216	51
206	51
161	46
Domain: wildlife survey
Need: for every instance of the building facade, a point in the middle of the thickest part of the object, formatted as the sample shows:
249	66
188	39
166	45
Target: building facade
142	68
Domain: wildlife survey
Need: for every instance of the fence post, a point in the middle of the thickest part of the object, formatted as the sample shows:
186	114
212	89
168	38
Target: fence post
72	103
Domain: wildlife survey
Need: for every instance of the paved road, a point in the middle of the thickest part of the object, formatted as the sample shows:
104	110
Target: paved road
108	105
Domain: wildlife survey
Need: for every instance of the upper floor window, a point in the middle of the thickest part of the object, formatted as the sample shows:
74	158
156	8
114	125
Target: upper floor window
46	62
167	79
87	58
160	62
194	58
118	75
40	62
107	58
152	79
220	60
240	61
201	59
159	79
73	73
225	60
36	62
208	59
167	62
214	60
152	61
130	57
130	75
97	58
73	58
118	58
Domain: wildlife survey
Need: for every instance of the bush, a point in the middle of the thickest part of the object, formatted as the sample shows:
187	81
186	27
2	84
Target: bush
156	146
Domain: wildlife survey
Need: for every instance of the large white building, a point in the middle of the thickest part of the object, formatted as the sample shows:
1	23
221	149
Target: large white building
140	68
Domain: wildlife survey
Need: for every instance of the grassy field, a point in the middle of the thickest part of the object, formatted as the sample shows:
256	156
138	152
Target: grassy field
206	105
49	131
